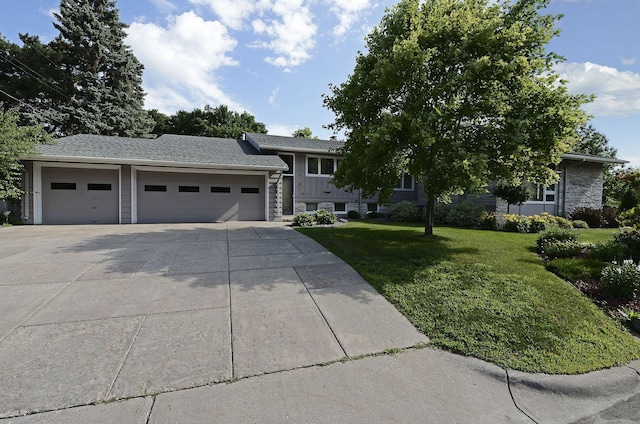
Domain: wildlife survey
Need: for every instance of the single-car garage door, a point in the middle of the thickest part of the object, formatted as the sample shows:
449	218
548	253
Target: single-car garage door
80	196
166	197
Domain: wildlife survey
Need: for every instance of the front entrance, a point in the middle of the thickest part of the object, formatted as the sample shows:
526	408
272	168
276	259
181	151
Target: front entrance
287	195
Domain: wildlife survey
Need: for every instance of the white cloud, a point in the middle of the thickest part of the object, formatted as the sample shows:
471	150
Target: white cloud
163	5
278	129
618	92
181	60
348	12
291	33
629	61
272	97
232	13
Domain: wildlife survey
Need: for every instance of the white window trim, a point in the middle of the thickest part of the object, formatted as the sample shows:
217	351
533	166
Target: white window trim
413	184
319	157
544	196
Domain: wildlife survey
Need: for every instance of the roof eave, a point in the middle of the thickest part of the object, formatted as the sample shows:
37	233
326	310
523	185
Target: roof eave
298	149
595	159
149	162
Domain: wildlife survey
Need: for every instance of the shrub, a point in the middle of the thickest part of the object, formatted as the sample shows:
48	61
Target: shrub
440	213
489	221
580	224
465	214
630	239
324	217
560	221
353	214
303	220
630	218
610	217
621	280
538	223
405	211
554	234
609	251
560	248
593	217
516	223
374	215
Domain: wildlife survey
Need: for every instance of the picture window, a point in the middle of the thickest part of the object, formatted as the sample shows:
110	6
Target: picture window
220	189
150	187
188	189
99	187
63	186
250	190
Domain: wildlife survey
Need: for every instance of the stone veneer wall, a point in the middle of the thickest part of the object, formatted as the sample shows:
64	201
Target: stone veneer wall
275	197
583	186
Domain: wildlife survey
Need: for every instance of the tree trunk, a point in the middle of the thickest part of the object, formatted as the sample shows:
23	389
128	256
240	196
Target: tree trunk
429	215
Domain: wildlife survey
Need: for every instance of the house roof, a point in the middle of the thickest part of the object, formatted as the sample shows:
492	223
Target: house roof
292	144
166	150
592	158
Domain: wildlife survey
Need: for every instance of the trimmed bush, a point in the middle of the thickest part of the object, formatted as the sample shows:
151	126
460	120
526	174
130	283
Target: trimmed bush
405	211
439	213
324	217
560	248
489	221
374	215
580	224
621	279
610	217
516	223
593	217
554	234
303	220
465	214
353	214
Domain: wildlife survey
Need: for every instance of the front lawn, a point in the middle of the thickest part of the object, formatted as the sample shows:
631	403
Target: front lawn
484	294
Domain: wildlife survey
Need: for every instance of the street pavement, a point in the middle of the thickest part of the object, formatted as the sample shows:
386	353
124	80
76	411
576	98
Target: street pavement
242	322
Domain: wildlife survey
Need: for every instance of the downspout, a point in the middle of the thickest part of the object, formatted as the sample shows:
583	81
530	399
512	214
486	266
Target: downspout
564	193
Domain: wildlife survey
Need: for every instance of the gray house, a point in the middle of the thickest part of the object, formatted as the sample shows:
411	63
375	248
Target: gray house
580	184
86	179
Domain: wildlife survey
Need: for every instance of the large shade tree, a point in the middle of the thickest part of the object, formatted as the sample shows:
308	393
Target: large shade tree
456	93
217	121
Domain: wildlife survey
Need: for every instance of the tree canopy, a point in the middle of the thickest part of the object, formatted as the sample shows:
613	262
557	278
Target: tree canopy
456	93
208	122
16	142
86	80
304	133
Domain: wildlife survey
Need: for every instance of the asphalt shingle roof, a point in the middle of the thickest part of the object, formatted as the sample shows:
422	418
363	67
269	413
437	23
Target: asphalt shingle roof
167	149
293	144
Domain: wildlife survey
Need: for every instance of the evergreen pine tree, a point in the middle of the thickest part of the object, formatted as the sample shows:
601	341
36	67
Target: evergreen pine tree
107	78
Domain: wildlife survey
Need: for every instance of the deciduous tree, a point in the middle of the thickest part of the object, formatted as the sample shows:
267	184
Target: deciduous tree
457	93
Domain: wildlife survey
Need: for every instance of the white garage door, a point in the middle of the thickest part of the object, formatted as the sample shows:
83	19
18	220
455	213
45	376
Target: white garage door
80	196
176	197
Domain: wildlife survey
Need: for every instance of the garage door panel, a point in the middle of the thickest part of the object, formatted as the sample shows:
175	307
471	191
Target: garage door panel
80	196
219	197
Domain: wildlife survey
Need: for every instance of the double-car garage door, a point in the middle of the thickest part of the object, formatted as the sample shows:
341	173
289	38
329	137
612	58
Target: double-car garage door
179	197
92	196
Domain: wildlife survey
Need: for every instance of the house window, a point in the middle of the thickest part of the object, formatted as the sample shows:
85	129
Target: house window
339	207
99	187
188	189
372	207
150	187
544	193
63	186
310	207
250	190
321	166
405	183
220	189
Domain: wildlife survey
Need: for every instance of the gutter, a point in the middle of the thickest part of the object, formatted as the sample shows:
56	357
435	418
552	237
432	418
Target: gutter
149	162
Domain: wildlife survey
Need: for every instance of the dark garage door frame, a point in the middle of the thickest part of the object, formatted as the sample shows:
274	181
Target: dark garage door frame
38	187
264	188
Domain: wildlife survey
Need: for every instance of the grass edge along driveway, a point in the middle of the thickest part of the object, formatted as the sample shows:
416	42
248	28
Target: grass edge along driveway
484	294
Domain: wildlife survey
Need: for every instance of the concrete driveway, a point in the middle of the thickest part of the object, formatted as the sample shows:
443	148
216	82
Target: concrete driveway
92	314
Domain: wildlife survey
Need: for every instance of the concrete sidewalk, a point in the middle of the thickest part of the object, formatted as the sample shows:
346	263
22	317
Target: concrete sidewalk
242	323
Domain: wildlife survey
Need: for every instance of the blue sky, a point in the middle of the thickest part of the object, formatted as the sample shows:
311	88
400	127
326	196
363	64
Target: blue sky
275	58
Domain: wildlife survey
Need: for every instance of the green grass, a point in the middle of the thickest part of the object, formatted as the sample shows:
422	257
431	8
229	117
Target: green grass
484	294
